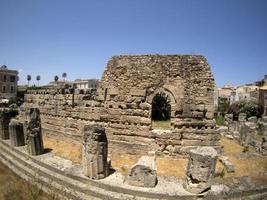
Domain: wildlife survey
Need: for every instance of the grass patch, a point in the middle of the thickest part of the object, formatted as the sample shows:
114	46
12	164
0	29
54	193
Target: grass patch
13	187
161	124
219	120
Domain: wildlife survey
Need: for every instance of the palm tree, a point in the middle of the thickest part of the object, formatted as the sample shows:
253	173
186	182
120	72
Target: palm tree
64	76
29	78
38	78
56	79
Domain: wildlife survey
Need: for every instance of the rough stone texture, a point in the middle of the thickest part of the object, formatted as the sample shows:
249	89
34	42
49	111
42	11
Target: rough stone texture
95	151
16	133
123	103
33	132
143	173
200	169
230	168
242	117
4	121
253	119
250	133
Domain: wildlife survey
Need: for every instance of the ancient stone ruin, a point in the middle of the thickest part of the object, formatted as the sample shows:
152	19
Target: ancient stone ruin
33	132
95	152
119	115
16	133
251	132
124	100
200	169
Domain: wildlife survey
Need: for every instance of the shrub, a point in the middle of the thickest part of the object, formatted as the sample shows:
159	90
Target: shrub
251	108
219	120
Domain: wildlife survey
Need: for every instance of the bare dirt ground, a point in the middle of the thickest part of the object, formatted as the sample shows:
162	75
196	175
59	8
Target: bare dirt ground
254	166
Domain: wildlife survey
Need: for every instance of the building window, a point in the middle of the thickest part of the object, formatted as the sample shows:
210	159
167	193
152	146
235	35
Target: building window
4	89
12	79
11	89
4	79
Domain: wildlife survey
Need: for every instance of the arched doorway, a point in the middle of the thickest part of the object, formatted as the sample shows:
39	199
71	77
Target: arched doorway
161	107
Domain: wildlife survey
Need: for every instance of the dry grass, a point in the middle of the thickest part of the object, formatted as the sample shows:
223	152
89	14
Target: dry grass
254	166
14	188
64	148
165	166
121	163
161	124
172	167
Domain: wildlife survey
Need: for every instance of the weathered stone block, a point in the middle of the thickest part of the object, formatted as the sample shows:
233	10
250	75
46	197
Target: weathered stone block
95	151
201	169
242	117
4	121
253	119
16	133
143	173
228	117
33	132
230	168
136	92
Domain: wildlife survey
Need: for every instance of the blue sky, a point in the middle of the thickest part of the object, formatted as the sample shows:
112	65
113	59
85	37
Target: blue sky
49	37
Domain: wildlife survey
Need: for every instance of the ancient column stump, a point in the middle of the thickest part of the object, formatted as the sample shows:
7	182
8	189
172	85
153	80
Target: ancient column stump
143	173
4	121
16	133
200	169
33	132
95	151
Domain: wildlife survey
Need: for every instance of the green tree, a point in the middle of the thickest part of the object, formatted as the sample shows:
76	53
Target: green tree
29	78
250	107
38	78
64	76
56	78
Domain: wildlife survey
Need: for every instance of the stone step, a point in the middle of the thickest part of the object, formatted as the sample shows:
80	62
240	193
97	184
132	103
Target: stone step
74	181
63	180
43	182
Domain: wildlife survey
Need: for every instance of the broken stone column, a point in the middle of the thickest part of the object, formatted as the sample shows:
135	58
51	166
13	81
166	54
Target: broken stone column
33	132
200	169
95	151
4	121
16	133
143	173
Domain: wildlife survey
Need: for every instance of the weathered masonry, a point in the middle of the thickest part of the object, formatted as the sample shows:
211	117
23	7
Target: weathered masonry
123	103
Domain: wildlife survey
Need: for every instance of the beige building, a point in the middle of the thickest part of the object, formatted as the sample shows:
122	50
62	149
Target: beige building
86	84
8	83
247	92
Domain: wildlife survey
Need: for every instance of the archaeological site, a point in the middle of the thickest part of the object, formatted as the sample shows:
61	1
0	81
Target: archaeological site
147	131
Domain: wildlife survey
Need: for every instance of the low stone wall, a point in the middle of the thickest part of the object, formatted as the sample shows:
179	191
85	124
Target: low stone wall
125	127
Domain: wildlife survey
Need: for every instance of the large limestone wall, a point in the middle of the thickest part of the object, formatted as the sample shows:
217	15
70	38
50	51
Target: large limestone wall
122	103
